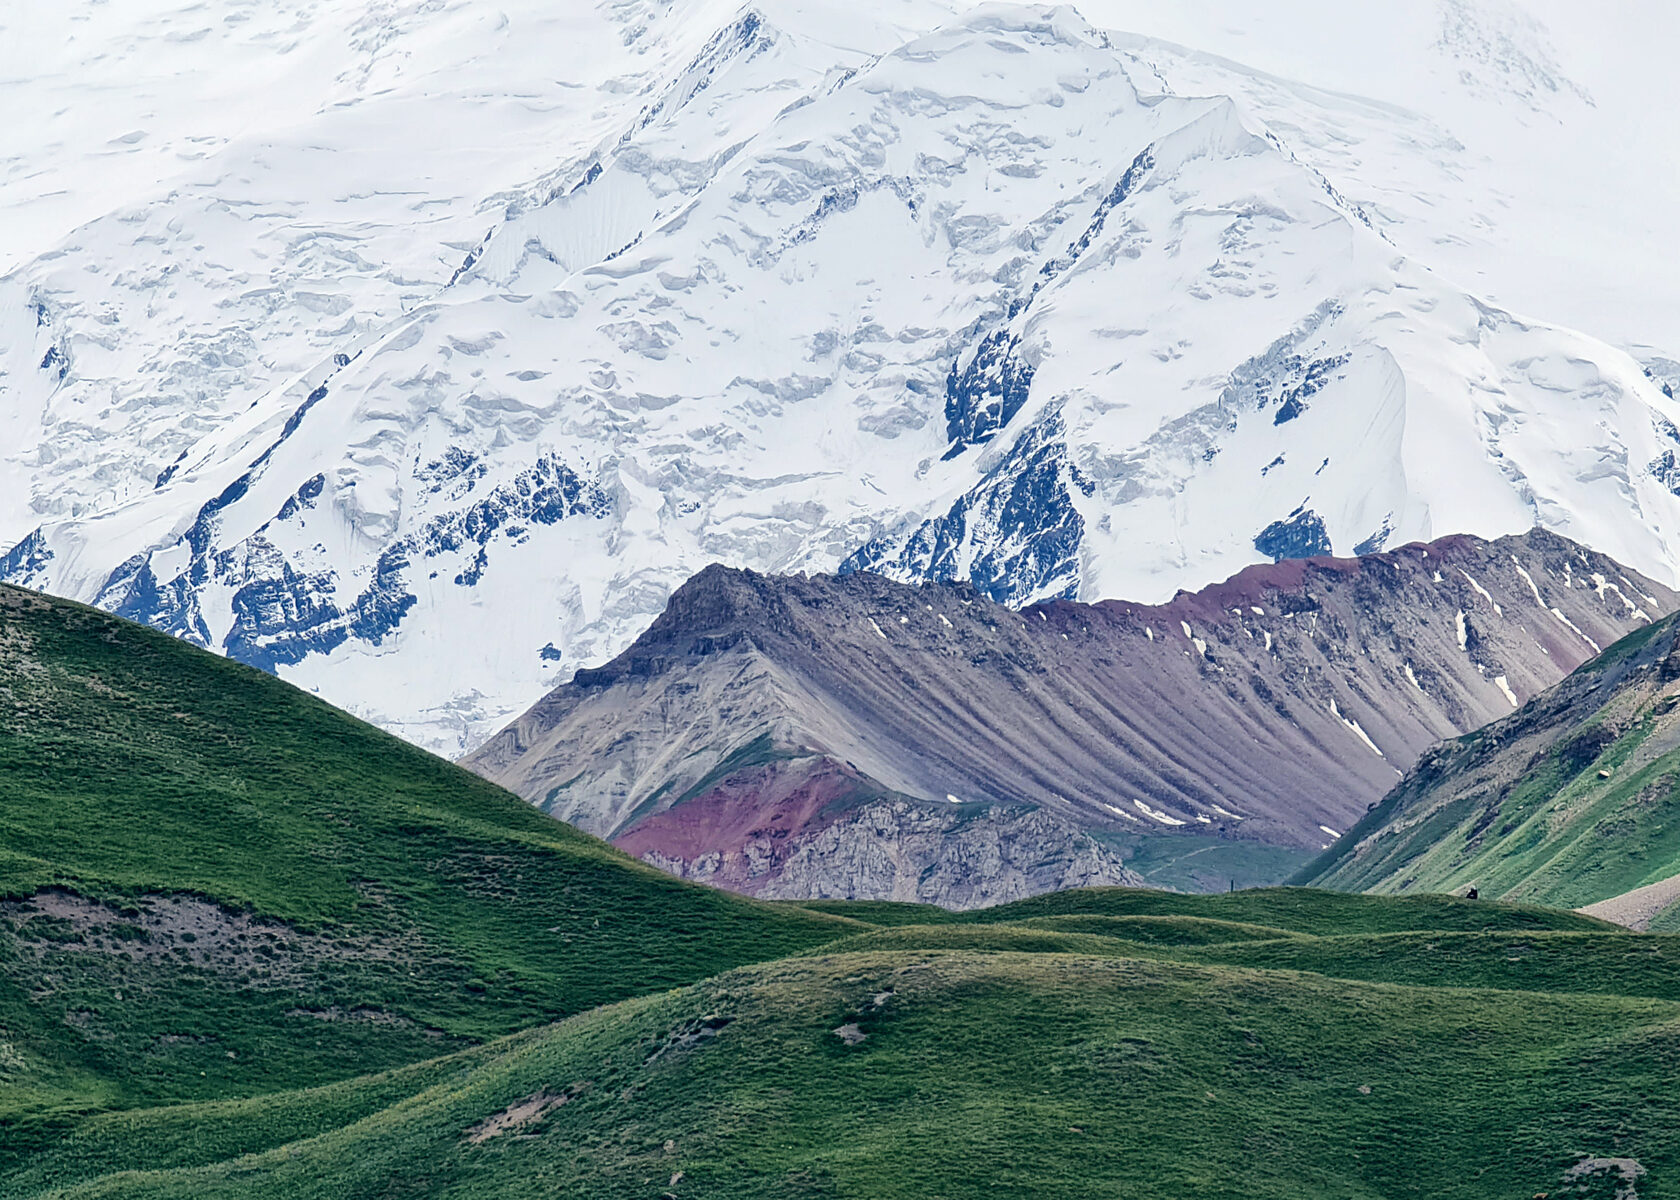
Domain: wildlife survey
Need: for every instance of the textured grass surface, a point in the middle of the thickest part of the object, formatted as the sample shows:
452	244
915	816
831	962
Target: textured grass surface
1298	910
374	905
1616	964
252	948
1003	1074
1084	1053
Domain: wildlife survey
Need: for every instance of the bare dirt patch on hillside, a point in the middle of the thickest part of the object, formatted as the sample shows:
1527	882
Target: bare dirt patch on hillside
56	928
518	1115
1638	908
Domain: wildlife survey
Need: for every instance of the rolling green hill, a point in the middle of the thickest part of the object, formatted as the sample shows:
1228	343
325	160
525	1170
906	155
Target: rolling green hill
913	1072
250	947
215	885
1299	910
1573	799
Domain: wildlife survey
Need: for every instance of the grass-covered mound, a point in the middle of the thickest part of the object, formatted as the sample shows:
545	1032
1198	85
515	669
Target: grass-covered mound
888	1074
213	884
1613	964
1295	909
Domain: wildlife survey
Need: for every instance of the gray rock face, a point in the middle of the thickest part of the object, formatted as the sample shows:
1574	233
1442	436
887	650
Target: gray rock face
897	849
758	730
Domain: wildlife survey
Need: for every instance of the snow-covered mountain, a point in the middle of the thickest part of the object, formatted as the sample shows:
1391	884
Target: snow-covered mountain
428	386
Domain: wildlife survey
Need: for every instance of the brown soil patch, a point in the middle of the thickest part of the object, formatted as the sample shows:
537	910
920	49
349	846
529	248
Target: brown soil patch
517	1115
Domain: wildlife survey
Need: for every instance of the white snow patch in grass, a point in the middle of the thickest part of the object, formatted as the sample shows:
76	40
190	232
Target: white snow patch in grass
952	798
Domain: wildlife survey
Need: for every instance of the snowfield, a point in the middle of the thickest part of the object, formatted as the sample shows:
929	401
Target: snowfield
424	361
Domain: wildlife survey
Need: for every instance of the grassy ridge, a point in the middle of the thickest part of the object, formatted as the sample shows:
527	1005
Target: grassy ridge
1615	964
1299	910
1008	1074
1573	799
374	905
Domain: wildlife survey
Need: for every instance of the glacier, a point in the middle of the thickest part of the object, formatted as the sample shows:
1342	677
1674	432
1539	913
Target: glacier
426	385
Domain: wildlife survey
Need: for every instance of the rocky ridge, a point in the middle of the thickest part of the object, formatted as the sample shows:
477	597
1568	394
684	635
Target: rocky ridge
760	715
1571	801
885	848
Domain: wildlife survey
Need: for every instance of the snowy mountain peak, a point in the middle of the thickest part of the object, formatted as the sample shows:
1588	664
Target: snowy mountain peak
427	419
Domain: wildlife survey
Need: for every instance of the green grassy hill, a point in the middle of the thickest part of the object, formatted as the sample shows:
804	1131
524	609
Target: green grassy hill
215	885
1573	799
250	947
1300	910
914	1072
